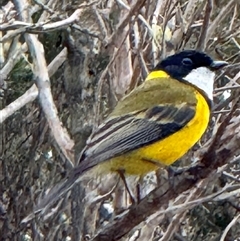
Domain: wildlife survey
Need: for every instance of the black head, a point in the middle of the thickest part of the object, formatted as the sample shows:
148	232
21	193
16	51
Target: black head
181	64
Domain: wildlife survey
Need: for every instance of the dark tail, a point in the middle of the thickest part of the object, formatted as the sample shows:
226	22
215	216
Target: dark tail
55	194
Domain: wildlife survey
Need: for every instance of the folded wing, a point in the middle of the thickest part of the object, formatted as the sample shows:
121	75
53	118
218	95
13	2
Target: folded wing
123	134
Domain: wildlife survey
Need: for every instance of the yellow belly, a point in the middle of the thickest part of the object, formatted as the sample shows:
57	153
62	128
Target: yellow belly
166	151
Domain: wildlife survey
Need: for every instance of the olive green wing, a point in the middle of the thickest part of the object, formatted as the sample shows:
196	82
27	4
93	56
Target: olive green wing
123	134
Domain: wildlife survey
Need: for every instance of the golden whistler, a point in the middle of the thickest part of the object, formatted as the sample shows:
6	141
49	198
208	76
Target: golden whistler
152	126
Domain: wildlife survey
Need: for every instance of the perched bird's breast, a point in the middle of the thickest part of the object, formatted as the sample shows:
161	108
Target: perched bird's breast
180	118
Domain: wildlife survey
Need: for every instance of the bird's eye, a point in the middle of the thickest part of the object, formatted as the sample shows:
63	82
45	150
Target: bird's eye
187	62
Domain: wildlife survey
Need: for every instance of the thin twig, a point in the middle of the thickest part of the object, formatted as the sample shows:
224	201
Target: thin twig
125	5
201	45
221	89
230	225
222	112
20	27
134	9
220	17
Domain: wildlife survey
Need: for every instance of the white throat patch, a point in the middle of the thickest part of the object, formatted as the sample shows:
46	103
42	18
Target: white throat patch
203	78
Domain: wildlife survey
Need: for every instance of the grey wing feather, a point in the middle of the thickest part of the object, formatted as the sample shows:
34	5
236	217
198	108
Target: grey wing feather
123	134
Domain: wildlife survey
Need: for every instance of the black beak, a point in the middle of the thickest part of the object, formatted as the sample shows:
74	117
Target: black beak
216	65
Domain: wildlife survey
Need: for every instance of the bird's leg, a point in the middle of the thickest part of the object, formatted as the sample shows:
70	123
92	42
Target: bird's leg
173	173
138	192
122	176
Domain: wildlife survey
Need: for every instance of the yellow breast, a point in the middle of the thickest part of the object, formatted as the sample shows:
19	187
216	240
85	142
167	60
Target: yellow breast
165	151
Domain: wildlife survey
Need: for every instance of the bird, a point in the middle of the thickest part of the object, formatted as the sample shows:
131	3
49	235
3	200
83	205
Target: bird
152	126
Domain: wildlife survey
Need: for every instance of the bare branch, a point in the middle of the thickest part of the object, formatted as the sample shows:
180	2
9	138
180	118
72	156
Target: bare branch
43	83
26	27
125	5
202	40
133	10
220	17
12	60
31	94
233	222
